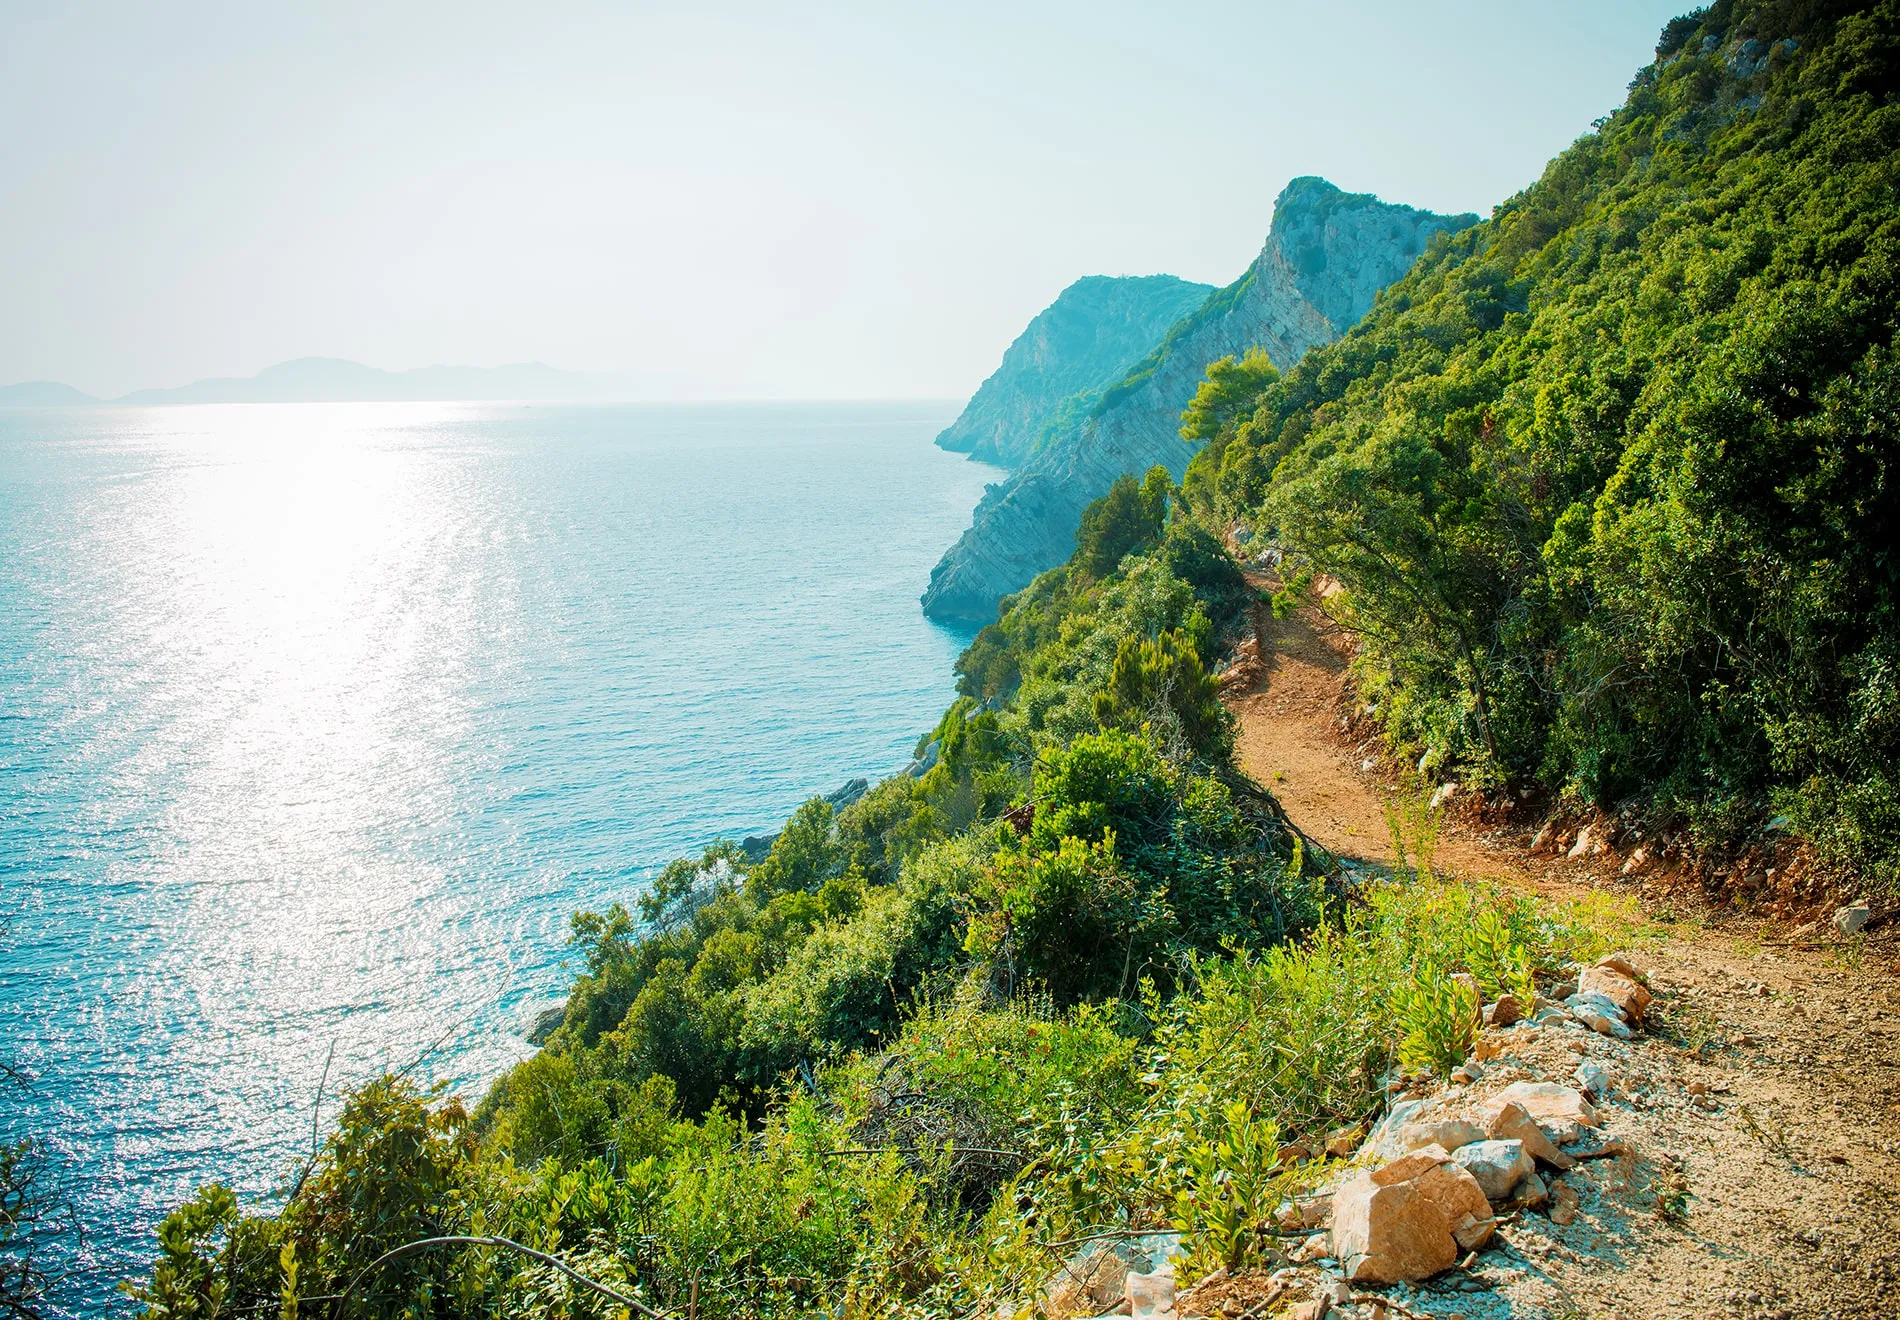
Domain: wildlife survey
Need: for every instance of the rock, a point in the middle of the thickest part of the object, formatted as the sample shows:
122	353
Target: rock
1366	767
1497	1166
1581	847
1408	1167
847	793
1467	1072
1095	1279
1563	1204
1636	860
1344	1141
1390	1234
1508	1121
1542	839
1504	1013
1624	991
1599	1013
1444	793
1462	1201
1317	1247
1151	1296
1450	1133
1697	1088
1851	919
1561	1111
1595	1079
1530	1194
1616	962
1331	1296
1315	1211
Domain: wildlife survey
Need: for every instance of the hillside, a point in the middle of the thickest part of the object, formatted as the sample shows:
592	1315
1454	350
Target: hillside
1077	346
335	380
42	394
1327	255
1609	480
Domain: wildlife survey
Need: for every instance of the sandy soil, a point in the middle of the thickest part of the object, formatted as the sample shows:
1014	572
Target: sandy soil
1767	1084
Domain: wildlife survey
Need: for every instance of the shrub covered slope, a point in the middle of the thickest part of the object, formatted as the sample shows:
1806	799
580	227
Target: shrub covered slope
1609	479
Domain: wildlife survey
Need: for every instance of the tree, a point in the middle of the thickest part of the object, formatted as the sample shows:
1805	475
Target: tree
1130	517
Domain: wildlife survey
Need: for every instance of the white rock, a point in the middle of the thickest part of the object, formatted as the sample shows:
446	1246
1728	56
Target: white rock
1850	919
1451	1133
1151	1296
1560	1111
1581	847
1597	1080
1600	1014
1498	1166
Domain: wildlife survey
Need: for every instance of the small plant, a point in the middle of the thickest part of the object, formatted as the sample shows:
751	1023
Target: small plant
1672	1198
1231	1192
1439	1018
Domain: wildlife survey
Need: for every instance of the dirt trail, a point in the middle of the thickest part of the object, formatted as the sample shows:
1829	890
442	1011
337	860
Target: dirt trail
1768	1080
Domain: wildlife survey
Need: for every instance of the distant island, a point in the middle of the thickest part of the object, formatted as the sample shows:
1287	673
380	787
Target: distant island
337	380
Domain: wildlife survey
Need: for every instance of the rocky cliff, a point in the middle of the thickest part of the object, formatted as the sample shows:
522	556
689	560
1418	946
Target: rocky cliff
1326	258
1084	341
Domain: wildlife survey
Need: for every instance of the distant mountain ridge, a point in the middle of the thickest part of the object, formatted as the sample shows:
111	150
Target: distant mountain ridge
1086	339
338	380
1327	256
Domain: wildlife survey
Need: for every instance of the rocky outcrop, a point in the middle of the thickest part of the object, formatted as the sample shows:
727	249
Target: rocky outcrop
1326	258
1076	347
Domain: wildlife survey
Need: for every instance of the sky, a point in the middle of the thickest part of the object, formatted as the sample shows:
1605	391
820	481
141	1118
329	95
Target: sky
826	200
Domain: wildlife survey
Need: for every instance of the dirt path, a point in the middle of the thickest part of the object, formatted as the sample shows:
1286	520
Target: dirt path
1768	1083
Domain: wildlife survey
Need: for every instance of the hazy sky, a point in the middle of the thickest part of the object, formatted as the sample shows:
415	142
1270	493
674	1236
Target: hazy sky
823	200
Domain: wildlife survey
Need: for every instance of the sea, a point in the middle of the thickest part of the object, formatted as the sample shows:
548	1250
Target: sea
319	721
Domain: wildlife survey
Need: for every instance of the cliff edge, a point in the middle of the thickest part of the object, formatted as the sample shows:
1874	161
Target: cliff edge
1327	256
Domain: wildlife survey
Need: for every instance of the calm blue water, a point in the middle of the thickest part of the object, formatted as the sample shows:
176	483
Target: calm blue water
318	721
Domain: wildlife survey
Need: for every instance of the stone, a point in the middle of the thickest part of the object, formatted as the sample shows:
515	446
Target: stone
1581	848
1542	839
1563	1204
1496	1166
1294	1152
1697	1088
1450	1133
1561	1111
1600	1014
1595	1079
1095	1279
1636	861
1465	1206
1317	1247
1509	1121
1315	1211
1504	1013
1851	919
1530	1194
1390	1234
1343	1142
1151	1296
1367	767
1444	793
1626	992
1408	1167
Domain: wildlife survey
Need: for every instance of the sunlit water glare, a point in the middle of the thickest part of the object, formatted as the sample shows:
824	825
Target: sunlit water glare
318	721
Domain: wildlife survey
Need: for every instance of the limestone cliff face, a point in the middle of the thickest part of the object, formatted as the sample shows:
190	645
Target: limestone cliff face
1085	340
1326	258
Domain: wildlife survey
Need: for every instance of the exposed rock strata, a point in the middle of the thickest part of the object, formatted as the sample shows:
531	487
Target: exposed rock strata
1326	258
